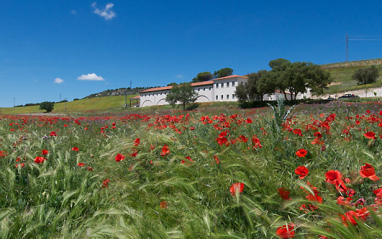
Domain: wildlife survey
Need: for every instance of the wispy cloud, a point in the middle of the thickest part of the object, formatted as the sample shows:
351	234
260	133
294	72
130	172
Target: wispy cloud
179	76
106	12
74	12
58	80
91	77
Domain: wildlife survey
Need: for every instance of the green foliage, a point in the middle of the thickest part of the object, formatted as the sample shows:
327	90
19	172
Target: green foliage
366	75
183	93
223	72
280	113
47	105
203	76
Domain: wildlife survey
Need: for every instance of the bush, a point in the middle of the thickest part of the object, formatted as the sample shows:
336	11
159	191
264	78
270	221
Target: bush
366	75
47	105
75	99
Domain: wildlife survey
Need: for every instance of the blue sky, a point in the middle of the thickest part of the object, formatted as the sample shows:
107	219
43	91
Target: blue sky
76	48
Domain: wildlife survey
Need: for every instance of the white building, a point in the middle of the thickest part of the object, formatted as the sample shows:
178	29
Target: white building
219	89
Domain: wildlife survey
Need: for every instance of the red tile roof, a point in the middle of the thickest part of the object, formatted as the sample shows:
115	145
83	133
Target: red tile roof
229	77
170	87
136	97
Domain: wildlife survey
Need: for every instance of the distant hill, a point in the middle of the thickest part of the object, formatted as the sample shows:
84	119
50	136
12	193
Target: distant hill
118	92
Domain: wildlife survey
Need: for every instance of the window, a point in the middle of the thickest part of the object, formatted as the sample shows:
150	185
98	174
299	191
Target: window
222	85
227	84
241	82
233	96
199	89
217	97
210	88
227	95
221	97
233	83
204	89
217	85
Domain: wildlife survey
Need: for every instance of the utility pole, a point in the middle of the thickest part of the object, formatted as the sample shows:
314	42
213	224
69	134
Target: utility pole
347	45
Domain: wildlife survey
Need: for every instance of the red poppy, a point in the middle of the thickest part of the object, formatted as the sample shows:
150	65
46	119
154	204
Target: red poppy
39	159
75	149
89	168
163	205
53	133
334	177
105	183
302	171
119	157
256	142
301	153
284	194
367	171
165	150
81	164
236	187
370	135
248	121
44	152
137	141
192	128
286	231
216	159
297	132
20	164
3	153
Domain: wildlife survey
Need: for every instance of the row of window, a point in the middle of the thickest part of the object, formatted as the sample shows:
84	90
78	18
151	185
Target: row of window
222	97
222	84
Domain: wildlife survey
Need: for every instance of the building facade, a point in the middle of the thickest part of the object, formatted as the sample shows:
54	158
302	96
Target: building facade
219	89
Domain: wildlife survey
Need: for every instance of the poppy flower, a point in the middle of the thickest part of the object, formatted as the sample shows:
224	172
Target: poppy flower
20	164
248	121
3	153
105	183
192	128
216	159
286	231
44	152
284	194
165	150
119	157
332	176
367	171
370	135
75	149
137	141
89	168
81	164
236	187
53	133
302	171
39	159
163	205
301	153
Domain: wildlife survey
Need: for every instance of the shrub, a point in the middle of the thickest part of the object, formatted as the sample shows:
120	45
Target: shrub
366	75
47	105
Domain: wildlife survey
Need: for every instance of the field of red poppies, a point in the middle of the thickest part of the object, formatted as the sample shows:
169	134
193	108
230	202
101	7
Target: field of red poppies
222	174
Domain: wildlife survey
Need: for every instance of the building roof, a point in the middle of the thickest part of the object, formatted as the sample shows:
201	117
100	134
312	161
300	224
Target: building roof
135	97
210	82
229	77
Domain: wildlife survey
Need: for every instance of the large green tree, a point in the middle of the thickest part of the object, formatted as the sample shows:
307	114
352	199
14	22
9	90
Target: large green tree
203	76
223	72
183	93
255	88
366	75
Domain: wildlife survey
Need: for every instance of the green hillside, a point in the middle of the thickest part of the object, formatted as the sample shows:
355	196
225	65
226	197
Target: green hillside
112	103
342	73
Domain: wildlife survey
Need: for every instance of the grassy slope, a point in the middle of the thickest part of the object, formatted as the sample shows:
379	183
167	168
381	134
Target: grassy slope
114	103
343	76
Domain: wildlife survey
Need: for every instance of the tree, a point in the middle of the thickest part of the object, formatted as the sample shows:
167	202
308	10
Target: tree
297	77
183	93
47	105
203	76
172	84
366	75
241	93
223	72
255	88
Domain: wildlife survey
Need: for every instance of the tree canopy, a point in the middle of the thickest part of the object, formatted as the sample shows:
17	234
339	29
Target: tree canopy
183	93
47	105
203	76
223	72
366	75
285	76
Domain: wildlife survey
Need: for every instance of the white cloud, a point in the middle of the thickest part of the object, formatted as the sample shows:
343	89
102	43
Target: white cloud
73	12
58	80
179	76
92	77
106	13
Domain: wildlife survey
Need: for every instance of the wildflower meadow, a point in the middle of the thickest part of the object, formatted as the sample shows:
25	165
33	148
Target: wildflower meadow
313	172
